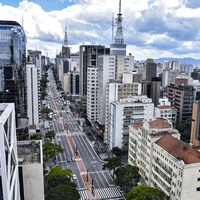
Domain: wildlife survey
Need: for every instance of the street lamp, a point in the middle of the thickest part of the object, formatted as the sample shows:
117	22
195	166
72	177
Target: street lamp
87	175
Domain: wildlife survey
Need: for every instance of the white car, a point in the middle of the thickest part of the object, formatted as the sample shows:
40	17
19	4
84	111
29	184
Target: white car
74	177
58	139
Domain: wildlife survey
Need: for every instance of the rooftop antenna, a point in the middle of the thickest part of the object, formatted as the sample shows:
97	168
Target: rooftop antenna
112	28
22	20
119	39
65	39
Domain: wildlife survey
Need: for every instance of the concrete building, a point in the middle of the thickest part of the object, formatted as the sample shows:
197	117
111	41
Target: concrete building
195	128
167	112
89	58
115	90
181	97
9	177
172	65
30	158
155	93
33	94
151	69
123	113
175	168
92	87
169	76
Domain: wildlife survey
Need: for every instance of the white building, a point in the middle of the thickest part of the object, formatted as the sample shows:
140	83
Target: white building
115	90
110	67
9	184
125	112
30	158
167	112
176	168
33	95
106	72
92	85
164	161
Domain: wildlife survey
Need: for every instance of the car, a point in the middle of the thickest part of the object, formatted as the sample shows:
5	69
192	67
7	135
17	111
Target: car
74	177
73	159
68	159
58	139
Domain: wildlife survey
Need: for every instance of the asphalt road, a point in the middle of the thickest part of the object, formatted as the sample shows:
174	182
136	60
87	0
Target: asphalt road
92	181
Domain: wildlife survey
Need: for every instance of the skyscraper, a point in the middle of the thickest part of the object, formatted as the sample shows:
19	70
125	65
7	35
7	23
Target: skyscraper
150	69
12	65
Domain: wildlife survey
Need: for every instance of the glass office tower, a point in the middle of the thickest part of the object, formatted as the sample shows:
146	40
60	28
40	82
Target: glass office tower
12	65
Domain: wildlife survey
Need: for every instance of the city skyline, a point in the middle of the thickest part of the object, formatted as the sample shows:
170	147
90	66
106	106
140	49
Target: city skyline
152	28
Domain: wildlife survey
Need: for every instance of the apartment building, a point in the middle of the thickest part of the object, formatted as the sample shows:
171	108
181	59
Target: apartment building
123	113
164	161
115	90
181	96
92	87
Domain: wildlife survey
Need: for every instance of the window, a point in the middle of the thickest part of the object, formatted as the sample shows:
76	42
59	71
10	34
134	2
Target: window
198	189
198	179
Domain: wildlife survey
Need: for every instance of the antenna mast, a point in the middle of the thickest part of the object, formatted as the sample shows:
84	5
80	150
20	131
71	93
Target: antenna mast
119	39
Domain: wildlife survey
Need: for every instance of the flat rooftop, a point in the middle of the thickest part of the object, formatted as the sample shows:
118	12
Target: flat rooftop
29	152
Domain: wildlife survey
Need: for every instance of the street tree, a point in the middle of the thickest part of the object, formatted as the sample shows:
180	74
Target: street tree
127	176
61	192
50	134
46	110
50	149
145	193
117	151
112	164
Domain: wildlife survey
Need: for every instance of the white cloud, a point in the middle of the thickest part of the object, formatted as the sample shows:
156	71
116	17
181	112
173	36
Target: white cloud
154	28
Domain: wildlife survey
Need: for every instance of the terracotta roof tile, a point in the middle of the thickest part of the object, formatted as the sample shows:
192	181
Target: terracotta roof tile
159	122
164	107
137	125
179	149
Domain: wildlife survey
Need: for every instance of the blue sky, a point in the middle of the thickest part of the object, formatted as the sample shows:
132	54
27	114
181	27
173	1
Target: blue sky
151	28
47	5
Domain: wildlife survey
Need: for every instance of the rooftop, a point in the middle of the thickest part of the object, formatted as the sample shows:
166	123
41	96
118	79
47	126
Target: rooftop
179	149
159	122
29	152
165	107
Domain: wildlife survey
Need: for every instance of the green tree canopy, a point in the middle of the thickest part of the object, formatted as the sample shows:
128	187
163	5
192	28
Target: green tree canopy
62	192
127	176
117	151
112	163
46	110
185	130
50	134
50	149
145	193
36	136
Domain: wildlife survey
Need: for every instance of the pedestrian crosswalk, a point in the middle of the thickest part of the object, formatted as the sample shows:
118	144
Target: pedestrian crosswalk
83	194
102	193
108	193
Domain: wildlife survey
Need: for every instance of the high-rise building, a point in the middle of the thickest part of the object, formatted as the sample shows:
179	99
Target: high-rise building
181	96
151	69
9	178
13	65
33	93
89	58
123	113
195	128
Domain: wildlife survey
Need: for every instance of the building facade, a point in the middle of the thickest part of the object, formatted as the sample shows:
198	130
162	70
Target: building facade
181	96
123	113
9	177
13	65
33	95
